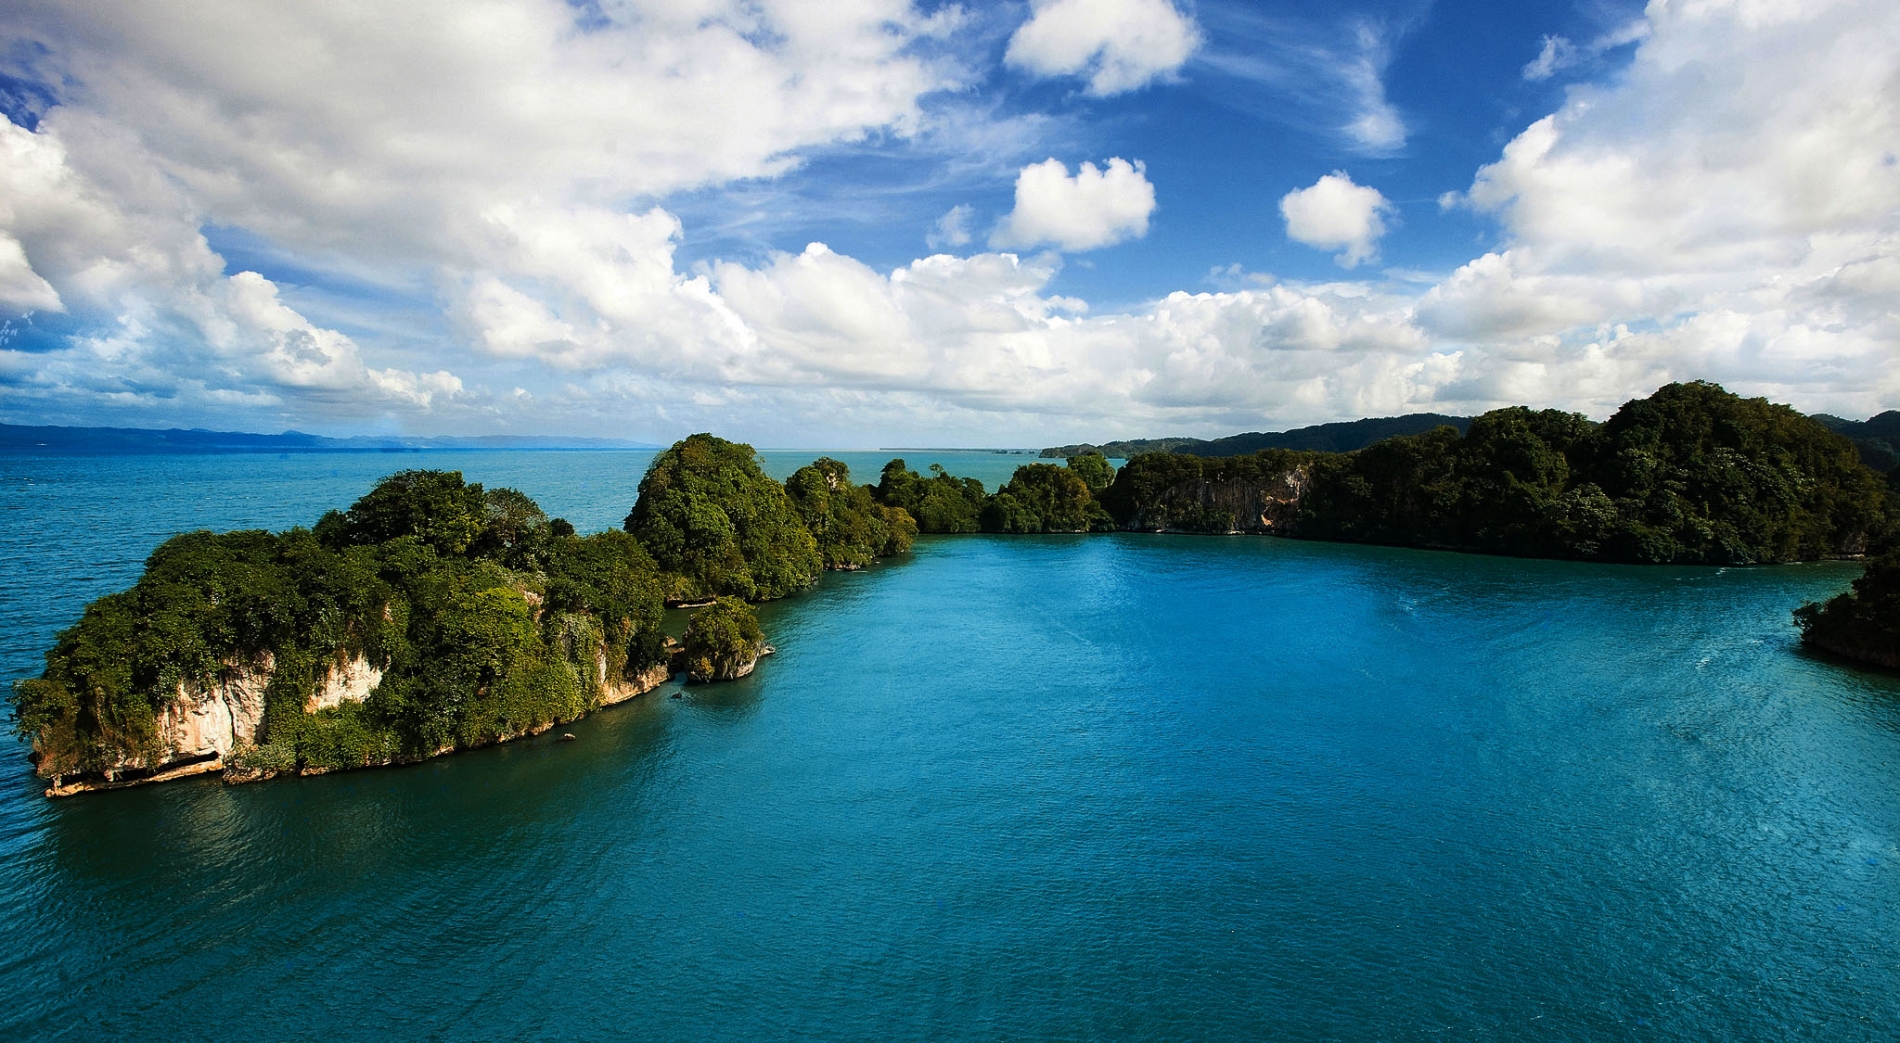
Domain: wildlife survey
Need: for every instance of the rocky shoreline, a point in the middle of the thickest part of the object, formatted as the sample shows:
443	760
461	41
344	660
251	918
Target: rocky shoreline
231	753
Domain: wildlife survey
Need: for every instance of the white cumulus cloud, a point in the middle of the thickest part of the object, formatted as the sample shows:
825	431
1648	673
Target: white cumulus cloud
1336	214
1094	207
1120	45
1729	207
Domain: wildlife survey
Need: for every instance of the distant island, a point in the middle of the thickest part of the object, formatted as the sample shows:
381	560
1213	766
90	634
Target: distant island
435	616
175	440
1324	438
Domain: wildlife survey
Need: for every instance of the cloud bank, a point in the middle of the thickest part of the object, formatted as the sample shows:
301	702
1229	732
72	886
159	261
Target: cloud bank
1727	207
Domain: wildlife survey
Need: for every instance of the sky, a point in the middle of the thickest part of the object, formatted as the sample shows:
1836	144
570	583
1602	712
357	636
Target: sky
863	223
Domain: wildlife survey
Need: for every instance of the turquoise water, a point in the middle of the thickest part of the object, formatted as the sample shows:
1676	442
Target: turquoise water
1054	788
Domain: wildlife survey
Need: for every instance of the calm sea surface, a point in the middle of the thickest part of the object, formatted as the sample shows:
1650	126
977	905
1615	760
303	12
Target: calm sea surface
1053	788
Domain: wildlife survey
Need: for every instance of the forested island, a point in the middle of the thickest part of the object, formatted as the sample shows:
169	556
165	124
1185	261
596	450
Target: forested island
431	616
435	615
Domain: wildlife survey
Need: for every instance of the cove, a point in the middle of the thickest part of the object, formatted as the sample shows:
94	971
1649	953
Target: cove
1061	787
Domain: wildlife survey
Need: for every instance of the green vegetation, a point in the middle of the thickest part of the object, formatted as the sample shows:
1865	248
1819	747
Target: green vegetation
851	528
718	526
1094	470
1863	623
484	619
722	641
940	503
1877	438
1044	498
1691	474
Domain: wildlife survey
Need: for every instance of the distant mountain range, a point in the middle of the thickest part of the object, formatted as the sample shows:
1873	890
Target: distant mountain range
1878	438
175	440
1328	438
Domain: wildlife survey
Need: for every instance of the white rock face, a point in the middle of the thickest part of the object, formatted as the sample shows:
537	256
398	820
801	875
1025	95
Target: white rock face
216	719
348	681
618	691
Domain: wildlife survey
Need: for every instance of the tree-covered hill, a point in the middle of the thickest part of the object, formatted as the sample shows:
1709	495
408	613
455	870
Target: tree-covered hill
717	525
1877	438
1690	474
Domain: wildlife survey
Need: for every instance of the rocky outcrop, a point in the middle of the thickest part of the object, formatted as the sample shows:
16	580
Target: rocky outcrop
218	717
726	667
1882	655
196	730
1236	499
347	680
613	692
202	726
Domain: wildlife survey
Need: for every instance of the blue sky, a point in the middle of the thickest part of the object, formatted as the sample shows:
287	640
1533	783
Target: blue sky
865	222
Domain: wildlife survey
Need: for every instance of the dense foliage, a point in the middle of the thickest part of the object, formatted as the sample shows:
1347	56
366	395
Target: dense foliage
1044	498
1094	470
718	526
1863	623
1692	474
851	528
485	619
722	641
940	504
1325	438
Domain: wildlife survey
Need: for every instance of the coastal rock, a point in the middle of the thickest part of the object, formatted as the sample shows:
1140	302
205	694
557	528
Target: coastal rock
1863	652
348	680
1225	496
619	691
217	718
196	730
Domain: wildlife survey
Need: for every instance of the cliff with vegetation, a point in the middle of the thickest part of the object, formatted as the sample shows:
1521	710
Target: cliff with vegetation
431	616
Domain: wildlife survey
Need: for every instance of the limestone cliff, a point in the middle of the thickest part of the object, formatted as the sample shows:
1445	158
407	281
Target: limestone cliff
196	730
1247	501
349	680
201	726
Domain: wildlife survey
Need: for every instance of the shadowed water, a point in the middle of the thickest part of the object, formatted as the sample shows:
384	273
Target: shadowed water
1063	787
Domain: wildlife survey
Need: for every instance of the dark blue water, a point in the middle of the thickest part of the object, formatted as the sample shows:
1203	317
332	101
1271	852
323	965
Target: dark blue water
1056	788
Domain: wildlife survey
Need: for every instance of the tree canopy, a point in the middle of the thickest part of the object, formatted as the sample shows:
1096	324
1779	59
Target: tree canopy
1043	498
851	528
718	526
941	503
722	641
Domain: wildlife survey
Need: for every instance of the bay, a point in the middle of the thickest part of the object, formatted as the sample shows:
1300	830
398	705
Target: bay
1052	787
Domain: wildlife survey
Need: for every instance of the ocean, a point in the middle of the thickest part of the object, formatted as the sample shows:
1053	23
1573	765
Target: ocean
1071	787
